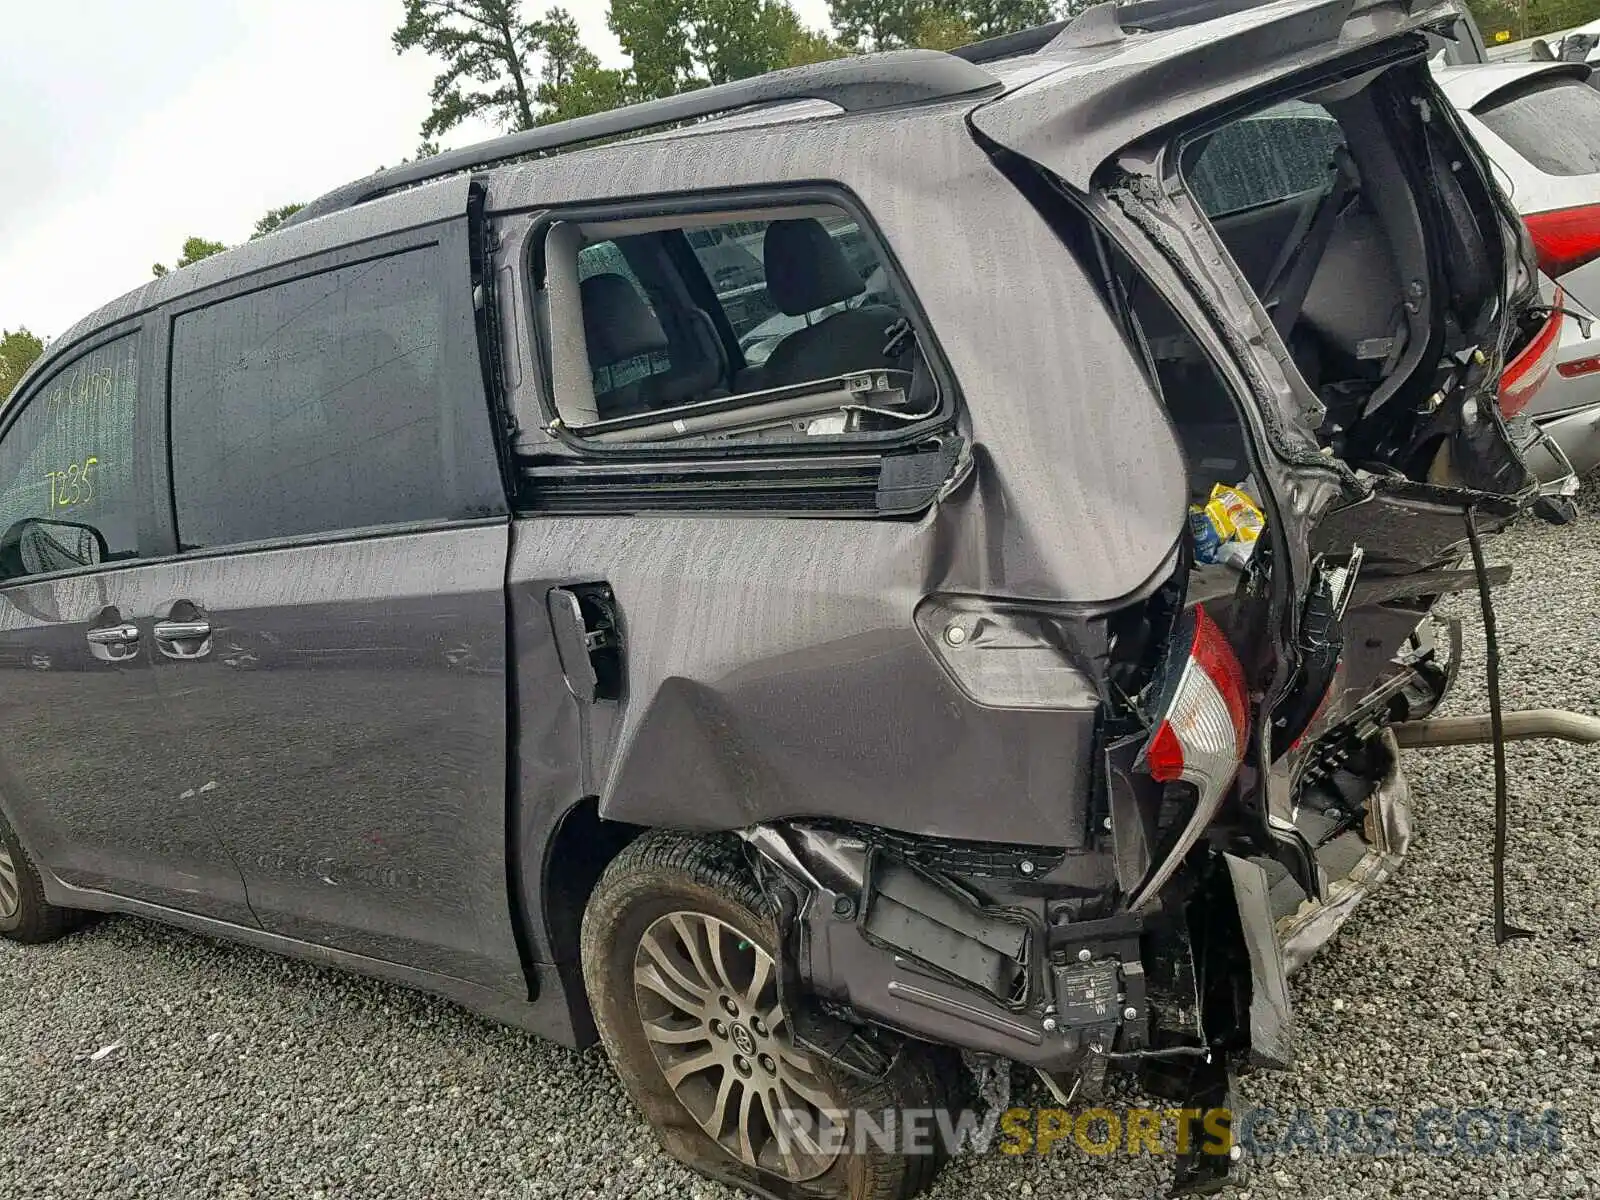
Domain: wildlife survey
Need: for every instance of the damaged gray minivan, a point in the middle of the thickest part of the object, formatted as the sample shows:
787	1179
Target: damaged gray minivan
728	587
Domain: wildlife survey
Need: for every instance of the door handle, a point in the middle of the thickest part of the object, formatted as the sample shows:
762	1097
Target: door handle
125	634
184	633
114	642
167	631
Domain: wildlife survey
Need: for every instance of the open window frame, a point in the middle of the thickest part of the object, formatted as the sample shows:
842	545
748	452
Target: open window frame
682	429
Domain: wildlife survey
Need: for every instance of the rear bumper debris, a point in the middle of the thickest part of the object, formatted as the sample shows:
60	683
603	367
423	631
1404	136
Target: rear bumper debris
1388	833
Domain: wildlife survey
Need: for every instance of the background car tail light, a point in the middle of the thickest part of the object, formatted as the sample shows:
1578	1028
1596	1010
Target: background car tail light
1202	732
1565	238
1579	366
1526	373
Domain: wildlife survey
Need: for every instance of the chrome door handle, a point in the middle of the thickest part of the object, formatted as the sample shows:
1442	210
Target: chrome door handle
170	631
115	635
185	637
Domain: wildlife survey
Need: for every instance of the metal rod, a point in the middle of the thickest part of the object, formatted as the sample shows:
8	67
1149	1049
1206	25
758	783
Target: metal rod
1526	725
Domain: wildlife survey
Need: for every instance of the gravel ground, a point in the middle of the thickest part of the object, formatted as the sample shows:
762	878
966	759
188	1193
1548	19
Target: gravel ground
243	1075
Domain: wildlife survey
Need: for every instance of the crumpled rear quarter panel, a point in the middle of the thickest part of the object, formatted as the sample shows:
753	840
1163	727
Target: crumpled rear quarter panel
773	668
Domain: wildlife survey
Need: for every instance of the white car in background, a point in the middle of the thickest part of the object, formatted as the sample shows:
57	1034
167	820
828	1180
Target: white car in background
1540	123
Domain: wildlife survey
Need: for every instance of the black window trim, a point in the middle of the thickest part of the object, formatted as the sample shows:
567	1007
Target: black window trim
147	539
441	237
571	445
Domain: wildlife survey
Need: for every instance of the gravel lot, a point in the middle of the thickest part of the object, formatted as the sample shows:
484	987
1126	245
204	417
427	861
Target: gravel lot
244	1075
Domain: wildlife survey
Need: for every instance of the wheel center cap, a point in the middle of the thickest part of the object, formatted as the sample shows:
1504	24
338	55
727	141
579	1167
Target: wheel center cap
742	1041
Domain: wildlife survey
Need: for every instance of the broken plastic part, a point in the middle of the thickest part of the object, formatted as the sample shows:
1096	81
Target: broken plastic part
1206	715
1525	374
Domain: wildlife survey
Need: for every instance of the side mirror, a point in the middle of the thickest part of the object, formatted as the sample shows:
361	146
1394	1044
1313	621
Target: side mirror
37	546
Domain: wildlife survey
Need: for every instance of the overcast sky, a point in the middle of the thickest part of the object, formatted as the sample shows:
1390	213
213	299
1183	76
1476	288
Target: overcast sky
125	128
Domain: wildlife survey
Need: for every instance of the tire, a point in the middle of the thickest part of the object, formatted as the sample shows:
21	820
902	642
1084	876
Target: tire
664	893
25	915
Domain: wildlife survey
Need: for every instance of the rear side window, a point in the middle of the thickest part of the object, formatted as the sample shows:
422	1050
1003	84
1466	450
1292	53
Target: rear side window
768	325
1282	151
1555	126
67	467
319	404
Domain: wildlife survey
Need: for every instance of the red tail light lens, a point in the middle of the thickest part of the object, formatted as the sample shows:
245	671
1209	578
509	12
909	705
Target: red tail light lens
1525	374
1565	238
1205	724
1201	737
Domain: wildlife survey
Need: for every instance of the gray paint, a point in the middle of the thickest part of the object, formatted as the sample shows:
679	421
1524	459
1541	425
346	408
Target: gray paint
353	711
350	716
1118	89
96	774
1081	479
755	693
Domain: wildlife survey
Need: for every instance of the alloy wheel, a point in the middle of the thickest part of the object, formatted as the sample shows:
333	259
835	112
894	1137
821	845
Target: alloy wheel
10	890
708	997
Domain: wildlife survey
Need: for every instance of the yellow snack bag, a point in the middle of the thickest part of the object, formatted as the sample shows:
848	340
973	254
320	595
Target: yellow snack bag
1244	520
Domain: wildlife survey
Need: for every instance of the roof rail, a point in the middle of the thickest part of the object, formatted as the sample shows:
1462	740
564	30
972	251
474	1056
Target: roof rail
1010	45
859	84
1155	15
1146	15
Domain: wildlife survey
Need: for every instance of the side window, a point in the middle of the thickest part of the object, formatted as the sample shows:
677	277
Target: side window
67	465
820	342
1283	151
734	259
606	258
315	405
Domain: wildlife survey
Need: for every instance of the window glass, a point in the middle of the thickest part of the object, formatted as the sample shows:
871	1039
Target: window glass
68	460
318	404
1270	155
1556	128
604	258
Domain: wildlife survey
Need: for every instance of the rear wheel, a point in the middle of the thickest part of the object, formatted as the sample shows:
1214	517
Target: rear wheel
25	915
679	956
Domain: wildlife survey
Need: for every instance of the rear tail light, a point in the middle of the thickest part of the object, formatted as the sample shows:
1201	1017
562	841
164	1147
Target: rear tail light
1202	732
1525	374
1205	723
1565	238
1579	367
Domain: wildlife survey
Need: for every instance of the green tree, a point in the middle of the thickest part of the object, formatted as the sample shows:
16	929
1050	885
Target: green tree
274	218
17	353
676	45
572	83
992	18
875	24
194	249
942	29
936	24
488	52
813	46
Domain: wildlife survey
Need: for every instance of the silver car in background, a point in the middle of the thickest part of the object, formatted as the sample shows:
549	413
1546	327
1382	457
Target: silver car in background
1540	124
